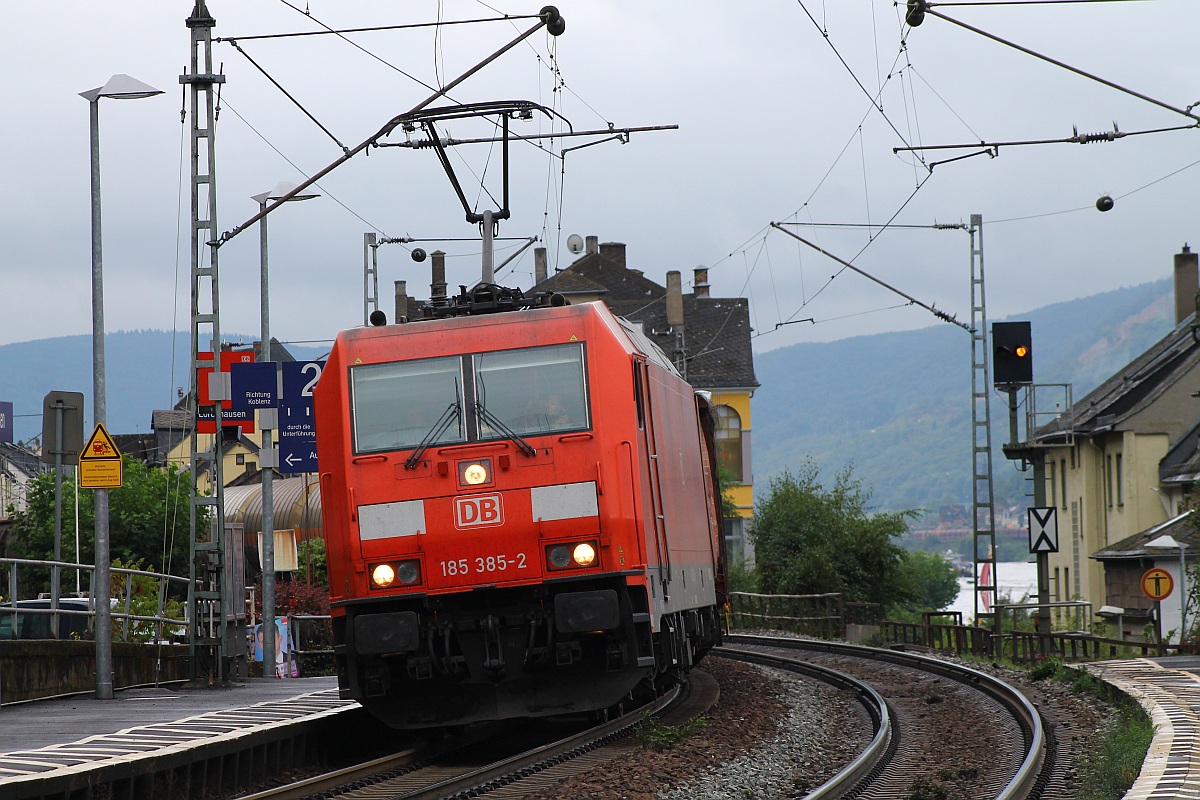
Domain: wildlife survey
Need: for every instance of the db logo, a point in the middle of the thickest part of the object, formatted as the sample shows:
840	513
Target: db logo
478	511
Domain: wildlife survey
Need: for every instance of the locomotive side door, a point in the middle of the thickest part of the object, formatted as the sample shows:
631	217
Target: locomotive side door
649	441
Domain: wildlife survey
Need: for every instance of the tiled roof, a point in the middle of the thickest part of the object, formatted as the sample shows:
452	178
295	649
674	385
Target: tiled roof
1181	464
716	329
142	446
1182	529
568	283
173	420
26	461
1131	389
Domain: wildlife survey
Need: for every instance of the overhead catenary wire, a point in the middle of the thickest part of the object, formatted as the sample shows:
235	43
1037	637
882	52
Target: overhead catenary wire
289	96
873	98
1187	113
387	128
370	29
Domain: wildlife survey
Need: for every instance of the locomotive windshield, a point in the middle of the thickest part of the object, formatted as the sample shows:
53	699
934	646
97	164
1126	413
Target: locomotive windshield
397	405
532	391
407	405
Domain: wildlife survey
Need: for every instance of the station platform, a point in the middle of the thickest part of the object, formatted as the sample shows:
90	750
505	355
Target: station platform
41	723
1169	690
57	738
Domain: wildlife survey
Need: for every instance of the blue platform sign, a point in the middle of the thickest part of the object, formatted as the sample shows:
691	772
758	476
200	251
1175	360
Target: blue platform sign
6	422
253	385
297	434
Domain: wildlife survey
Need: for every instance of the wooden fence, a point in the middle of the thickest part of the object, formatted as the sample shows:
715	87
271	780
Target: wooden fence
827	616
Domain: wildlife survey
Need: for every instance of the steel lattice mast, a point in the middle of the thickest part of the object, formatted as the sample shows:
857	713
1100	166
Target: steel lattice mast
983	510
210	641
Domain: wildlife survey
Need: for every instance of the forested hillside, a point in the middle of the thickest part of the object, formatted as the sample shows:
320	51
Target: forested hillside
898	405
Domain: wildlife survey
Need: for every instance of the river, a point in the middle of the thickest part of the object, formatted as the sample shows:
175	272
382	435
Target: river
1016	579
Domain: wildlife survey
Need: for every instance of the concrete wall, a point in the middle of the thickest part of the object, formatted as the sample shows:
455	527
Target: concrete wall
33	669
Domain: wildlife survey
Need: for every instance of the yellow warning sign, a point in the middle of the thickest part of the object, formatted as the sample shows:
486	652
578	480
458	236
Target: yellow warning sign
100	446
100	465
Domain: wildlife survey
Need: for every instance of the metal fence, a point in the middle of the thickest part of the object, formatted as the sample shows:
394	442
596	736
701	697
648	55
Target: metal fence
140	608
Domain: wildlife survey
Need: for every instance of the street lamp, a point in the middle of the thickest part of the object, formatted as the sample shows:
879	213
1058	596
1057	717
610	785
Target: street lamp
281	190
119	87
1168	542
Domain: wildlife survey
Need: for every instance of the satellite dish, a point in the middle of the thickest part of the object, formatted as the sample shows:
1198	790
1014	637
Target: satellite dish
575	243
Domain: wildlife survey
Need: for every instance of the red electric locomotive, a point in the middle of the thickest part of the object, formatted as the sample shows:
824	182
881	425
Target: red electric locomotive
521	516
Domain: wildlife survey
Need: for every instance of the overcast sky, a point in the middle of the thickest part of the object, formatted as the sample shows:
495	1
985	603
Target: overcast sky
773	100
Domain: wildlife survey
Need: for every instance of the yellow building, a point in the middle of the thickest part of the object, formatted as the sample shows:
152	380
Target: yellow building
1108	465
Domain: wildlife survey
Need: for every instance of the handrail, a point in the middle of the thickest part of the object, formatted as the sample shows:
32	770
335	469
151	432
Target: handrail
131	627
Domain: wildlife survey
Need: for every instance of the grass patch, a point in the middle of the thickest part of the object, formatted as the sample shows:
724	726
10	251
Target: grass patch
1116	762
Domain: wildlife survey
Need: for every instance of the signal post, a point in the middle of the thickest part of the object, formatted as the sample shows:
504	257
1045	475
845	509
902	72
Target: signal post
1012	353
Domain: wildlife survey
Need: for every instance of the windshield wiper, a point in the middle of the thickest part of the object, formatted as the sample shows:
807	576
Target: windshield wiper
491	419
439	427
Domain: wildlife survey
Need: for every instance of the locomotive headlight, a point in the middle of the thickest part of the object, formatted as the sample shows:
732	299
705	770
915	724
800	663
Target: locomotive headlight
572	555
560	556
475	473
386	576
408	571
382	576
584	554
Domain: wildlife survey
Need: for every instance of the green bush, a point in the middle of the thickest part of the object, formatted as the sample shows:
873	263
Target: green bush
1048	667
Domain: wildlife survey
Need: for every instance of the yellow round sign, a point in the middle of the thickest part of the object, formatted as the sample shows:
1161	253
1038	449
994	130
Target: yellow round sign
1157	583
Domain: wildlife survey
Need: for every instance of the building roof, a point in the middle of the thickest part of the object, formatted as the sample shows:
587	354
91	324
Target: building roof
1181	464
175	419
1181	528
21	459
716	330
1136	386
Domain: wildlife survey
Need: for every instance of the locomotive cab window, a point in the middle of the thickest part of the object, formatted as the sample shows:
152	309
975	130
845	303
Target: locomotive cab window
401	404
531	391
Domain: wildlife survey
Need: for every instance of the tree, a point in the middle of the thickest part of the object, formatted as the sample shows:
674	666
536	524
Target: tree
148	520
812	540
930	581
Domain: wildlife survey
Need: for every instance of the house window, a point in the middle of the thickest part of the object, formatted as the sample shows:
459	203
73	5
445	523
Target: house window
1120	494
1051	486
729	441
735	540
240	459
1108	481
1063	473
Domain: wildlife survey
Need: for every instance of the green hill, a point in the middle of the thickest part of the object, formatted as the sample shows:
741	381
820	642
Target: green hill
897	406
144	371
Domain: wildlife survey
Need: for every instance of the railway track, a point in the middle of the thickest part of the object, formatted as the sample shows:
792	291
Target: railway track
944	727
518	764
926	726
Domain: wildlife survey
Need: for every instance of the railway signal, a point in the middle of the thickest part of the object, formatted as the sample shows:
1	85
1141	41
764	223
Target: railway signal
1012	351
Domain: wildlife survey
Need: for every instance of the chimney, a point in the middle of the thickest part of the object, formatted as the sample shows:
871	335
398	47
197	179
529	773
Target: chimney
1187	283
438	287
674	299
700	283
591	245
539	265
614	252
401	300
